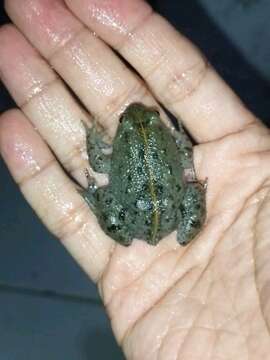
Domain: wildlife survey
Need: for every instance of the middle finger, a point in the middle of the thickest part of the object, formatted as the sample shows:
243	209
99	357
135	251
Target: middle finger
98	77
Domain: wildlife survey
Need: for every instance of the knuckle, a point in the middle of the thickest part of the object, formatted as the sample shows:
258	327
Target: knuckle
37	171
71	222
37	91
59	49
76	158
182	85
117	103
177	84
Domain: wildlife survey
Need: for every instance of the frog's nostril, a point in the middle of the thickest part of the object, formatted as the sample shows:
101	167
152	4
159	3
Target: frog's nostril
121	119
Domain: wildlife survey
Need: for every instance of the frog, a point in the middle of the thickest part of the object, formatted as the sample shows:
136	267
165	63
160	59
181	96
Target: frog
152	188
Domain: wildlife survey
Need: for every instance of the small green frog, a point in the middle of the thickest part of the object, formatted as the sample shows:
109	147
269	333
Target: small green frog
152	188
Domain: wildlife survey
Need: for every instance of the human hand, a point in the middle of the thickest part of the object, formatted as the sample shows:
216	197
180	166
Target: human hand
208	300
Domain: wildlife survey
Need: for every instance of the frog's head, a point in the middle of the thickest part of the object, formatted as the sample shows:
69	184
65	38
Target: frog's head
138	113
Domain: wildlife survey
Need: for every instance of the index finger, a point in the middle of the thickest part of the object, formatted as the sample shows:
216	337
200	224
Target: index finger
175	70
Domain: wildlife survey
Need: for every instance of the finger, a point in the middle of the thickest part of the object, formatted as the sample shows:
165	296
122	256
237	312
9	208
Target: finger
99	78
174	69
44	99
51	194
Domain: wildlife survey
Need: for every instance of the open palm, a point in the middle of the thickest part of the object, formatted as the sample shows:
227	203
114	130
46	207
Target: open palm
209	300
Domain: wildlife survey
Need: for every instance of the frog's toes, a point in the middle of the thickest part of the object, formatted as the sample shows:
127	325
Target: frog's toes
89	194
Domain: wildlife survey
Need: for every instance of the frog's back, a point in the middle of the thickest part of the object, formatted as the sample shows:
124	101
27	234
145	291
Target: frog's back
146	177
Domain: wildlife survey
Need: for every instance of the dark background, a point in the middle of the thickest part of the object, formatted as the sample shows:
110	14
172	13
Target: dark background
48	307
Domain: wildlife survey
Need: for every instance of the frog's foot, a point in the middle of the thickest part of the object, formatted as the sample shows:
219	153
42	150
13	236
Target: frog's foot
99	151
192	213
89	193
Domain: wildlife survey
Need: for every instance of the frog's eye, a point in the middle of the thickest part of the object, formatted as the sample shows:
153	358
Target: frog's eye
154	110
121	118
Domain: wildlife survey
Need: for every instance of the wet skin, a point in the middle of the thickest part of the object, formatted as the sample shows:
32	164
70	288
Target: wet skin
149	194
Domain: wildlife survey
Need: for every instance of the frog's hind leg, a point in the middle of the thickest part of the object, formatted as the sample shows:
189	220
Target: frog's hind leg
113	217
99	152
192	213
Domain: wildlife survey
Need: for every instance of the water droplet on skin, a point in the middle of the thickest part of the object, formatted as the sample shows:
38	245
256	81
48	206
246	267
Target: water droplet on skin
25	153
108	17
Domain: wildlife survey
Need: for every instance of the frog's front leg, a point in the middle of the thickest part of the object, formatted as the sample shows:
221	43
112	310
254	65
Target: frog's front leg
192	212
184	145
99	152
89	194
